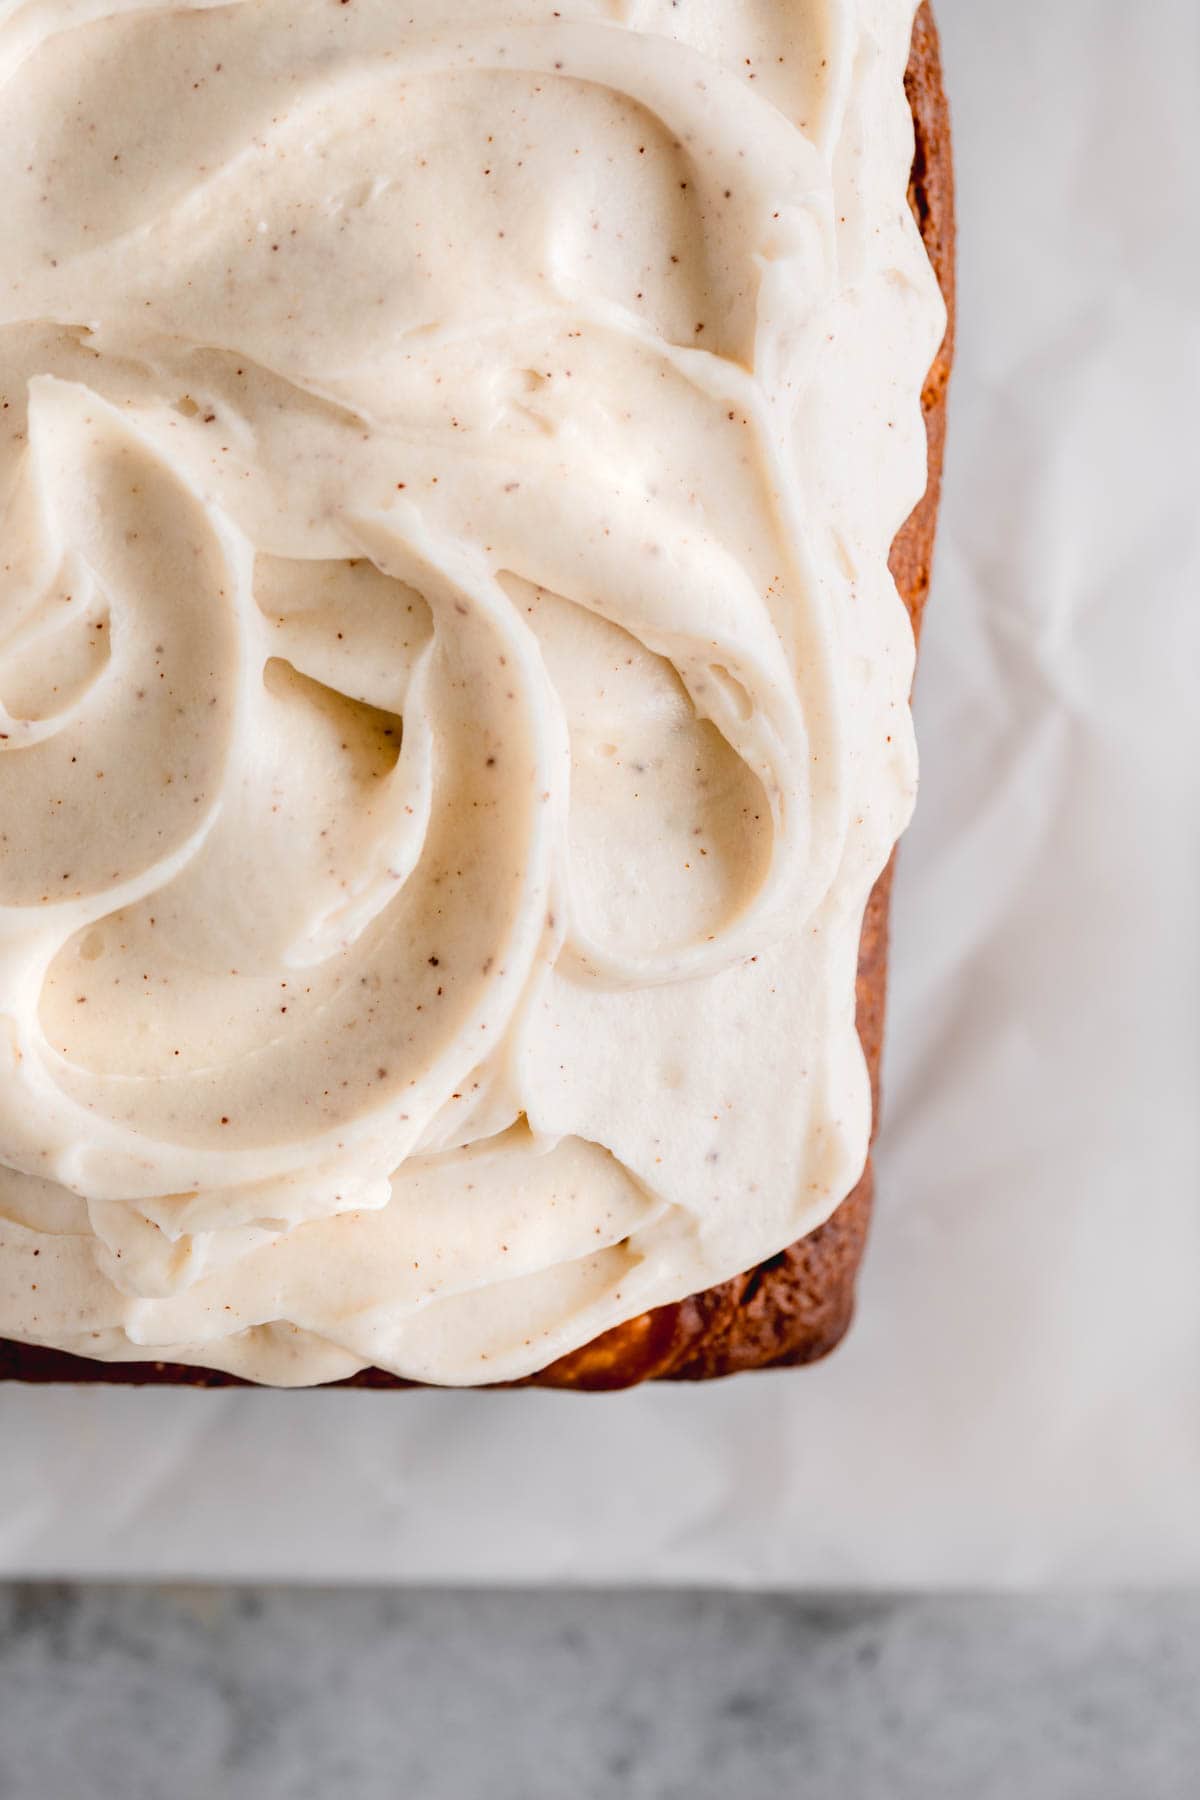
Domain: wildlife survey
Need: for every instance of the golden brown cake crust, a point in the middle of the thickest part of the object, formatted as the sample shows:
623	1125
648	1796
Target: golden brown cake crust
798	1305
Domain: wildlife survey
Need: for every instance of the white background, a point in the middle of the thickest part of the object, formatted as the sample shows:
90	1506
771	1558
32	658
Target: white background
1020	1400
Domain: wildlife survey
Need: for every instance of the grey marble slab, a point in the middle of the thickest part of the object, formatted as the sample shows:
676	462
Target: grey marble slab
220	1694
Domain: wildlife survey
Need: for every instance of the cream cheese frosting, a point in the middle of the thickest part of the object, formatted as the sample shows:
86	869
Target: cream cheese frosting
453	701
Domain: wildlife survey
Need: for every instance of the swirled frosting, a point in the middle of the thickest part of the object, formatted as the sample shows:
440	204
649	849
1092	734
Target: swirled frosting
453	703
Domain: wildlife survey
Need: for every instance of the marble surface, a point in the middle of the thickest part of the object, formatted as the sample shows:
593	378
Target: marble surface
309	1694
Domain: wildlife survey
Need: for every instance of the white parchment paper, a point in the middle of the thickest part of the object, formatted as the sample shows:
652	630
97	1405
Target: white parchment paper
1020	1400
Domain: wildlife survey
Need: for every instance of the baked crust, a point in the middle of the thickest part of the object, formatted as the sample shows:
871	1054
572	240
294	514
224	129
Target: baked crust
797	1306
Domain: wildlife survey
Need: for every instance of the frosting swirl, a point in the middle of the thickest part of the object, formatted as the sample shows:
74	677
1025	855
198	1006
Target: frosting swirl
453	703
